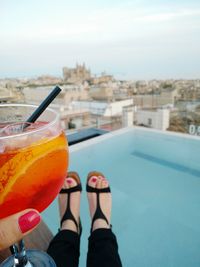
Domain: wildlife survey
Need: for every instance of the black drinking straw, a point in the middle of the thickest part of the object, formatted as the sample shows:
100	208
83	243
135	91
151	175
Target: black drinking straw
43	105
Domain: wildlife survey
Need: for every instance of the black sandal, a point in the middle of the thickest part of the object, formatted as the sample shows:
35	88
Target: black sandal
68	214
98	213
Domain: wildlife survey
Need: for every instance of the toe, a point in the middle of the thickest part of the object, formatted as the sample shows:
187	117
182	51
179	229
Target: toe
104	183
70	182
93	181
99	182
65	185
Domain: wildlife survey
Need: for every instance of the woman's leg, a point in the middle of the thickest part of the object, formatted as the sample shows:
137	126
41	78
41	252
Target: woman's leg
64	249
65	246
103	247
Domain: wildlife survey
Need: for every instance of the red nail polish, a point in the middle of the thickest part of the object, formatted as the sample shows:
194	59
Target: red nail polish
28	221
94	180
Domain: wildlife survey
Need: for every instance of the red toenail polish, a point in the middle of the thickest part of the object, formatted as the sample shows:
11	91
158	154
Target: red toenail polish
94	180
69	181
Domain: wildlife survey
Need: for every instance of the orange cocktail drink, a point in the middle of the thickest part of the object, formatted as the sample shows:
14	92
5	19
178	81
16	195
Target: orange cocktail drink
33	161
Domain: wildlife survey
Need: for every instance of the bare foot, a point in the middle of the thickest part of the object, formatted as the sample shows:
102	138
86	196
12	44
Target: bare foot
74	205
105	200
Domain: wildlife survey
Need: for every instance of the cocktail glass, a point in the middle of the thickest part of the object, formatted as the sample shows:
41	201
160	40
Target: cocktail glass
33	165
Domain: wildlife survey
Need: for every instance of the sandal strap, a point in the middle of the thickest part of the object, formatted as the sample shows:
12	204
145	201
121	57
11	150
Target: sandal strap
76	188
68	214
97	190
98	213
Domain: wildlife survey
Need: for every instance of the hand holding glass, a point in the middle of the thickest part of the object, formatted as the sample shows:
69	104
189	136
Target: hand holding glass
33	159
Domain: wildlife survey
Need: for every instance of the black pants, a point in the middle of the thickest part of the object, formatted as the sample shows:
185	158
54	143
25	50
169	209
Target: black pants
102	249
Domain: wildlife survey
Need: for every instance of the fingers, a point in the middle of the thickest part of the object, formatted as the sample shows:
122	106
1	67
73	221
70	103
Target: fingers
16	226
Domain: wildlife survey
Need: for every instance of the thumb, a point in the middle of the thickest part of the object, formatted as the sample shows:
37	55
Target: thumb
16	226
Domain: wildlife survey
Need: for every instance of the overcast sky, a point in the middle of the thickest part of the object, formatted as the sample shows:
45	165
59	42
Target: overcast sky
138	39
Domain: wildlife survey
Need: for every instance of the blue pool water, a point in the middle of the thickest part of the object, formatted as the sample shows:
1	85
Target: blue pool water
155	182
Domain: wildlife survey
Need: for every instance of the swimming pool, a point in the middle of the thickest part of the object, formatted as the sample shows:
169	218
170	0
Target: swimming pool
155	182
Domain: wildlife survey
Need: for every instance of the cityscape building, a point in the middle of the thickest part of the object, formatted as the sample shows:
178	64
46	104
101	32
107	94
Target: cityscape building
83	92
75	75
